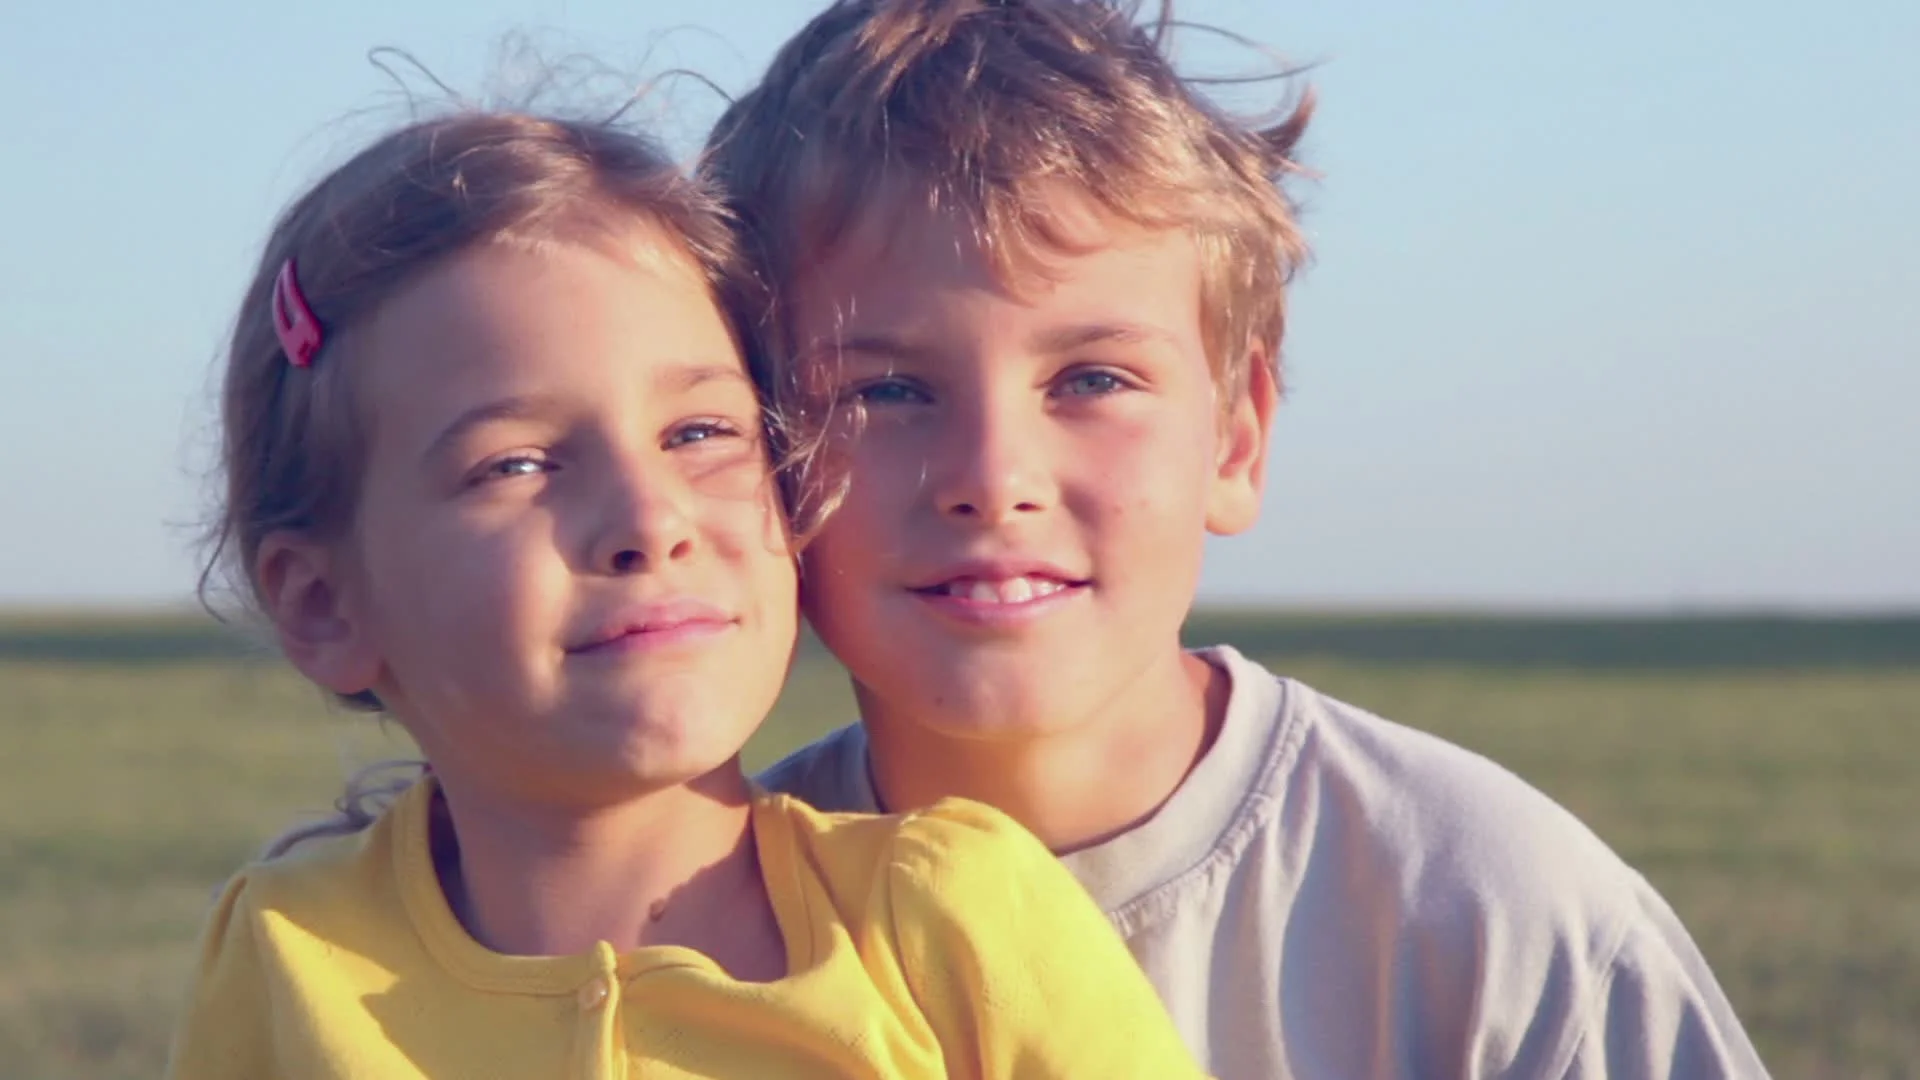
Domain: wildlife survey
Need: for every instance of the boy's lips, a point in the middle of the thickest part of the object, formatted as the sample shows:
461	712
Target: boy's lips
651	625
997	593
1014	590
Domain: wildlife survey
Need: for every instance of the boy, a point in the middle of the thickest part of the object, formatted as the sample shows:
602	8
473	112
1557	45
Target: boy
1030	300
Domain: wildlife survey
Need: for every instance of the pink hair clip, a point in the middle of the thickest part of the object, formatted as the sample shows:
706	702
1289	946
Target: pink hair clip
293	320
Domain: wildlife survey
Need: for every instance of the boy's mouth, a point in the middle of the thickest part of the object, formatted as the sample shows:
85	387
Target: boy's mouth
1014	589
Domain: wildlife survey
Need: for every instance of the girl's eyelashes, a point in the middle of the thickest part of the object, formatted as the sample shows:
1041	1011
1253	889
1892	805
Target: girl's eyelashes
704	430
519	463
509	466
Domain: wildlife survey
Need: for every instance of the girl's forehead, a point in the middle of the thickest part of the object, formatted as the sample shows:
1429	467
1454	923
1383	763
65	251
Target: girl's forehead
523	322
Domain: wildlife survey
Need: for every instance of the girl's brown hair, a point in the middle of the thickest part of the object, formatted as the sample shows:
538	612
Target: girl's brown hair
293	437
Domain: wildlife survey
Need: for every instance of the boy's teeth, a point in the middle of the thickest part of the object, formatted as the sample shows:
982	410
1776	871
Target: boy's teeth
1011	591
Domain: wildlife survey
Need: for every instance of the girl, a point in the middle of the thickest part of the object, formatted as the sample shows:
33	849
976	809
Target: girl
495	467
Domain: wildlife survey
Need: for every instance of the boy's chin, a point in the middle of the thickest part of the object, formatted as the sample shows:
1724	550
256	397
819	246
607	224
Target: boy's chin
1007	714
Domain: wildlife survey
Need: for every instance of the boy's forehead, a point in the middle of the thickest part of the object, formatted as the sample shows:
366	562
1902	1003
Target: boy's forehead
908	242
927	283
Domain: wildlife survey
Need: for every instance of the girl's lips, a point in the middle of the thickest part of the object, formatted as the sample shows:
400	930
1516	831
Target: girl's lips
647	626
654	636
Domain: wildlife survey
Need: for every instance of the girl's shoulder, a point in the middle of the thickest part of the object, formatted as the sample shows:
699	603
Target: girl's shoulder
943	854
335	873
1013	968
949	827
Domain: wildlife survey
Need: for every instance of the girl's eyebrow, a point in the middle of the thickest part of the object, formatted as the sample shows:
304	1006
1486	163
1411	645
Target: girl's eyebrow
670	379
683	377
513	407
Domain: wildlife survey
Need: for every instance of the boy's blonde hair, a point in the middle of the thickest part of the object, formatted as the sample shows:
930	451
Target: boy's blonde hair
977	106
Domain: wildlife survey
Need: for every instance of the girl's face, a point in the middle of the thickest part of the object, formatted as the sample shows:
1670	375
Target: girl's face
568	558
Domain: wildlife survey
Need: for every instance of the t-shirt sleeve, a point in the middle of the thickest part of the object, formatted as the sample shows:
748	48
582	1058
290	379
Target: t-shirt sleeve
1660	1014
225	1030
1015	969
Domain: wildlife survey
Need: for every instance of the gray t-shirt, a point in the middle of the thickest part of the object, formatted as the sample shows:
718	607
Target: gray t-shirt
1330	896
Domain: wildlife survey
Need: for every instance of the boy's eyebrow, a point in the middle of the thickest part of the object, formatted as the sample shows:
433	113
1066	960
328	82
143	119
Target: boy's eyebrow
875	344
1069	338
1063	339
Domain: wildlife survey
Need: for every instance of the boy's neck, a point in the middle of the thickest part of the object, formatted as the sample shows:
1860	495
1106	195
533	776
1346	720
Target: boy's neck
674	867
1076	786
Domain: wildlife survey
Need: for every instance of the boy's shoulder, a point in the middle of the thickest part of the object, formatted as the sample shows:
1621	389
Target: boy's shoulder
1433	821
1331	885
829	773
1294	761
1418	883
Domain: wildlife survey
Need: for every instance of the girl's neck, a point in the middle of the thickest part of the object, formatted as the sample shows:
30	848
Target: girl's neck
674	867
1062	787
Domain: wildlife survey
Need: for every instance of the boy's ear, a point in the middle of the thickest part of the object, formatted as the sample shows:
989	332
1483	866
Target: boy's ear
1240	473
302	587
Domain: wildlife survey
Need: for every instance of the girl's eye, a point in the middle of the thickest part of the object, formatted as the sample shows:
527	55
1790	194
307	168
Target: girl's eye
1090	384
889	391
517	465
699	431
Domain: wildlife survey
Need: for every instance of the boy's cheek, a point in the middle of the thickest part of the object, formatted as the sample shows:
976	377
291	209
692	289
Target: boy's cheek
1151	471
840	555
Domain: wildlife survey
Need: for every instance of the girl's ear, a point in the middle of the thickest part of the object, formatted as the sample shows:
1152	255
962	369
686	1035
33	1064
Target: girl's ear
1233	500
302	585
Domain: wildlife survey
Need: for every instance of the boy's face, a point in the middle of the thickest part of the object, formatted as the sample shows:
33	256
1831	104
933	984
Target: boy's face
1039	465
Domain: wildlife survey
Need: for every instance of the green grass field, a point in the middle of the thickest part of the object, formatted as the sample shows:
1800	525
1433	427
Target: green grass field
1765	774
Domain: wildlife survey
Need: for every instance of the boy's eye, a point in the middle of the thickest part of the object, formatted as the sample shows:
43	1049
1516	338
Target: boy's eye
889	391
1089	384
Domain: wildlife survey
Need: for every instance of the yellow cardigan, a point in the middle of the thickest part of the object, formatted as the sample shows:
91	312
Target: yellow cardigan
943	943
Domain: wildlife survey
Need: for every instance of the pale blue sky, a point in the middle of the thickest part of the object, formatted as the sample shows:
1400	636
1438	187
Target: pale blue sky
1614	305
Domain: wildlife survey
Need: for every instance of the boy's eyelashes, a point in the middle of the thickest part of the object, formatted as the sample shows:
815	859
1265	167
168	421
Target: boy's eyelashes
1091	382
1076	382
889	390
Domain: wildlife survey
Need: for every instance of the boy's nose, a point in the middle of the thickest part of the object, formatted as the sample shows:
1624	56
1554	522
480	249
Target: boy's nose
991	501
990	472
